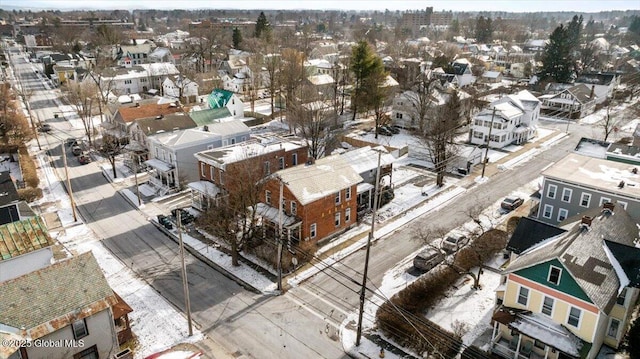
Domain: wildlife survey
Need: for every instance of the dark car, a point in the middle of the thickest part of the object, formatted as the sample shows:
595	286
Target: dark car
384	131
84	159
511	203
393	129
45	127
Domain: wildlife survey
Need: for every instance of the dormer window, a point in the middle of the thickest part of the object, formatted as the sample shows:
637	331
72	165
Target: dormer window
554	275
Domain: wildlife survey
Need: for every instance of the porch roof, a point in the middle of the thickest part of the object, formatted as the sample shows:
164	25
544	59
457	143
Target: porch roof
363	187
159	165
205	187
541	328
271	213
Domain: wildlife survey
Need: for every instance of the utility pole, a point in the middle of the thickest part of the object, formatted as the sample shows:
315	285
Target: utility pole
570	114
280	234
486	153
185	282
135	176
366	260
66	172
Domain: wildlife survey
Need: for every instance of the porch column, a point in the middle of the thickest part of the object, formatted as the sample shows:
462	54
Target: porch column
493	334
518	346
546	352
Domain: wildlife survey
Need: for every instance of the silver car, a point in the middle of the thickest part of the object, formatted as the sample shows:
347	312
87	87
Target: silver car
427	259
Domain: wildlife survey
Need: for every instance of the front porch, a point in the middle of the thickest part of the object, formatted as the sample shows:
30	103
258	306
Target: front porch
271	220
162	176
521	334
204	194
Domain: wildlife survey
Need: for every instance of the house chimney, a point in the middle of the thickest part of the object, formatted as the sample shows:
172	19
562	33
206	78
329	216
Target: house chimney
205	128
593	88
586	220
608	206
634	170
159	117
137	104
621	184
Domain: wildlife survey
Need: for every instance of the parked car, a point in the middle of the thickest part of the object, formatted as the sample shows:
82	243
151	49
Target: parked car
511	203
454	241
84	159
45	127
384	131
393	129
76	150
428	259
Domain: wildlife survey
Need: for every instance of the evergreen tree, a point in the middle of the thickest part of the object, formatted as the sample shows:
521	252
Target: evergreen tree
367	68
484	29
557	63
263	28
237	38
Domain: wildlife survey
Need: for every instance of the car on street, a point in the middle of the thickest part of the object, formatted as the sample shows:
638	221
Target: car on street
427	259
511	203
84	159
45	127
454	241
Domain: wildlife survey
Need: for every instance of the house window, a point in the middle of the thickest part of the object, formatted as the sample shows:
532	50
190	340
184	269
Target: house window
622	204
212	174
562	214
523	296
294	159
398	115
347	193
267	167
202	169
233	141
547	306
604	200
267	197
337	219
294	207
338	197
574	317
281	163
79	329
554	275
221	177
566	195
548	211
127	82
551	191
347	215
585	199
613	328
312	230
89	353
478	134
621	297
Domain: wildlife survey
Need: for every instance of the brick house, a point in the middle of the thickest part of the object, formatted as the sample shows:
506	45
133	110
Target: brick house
216	166
319	200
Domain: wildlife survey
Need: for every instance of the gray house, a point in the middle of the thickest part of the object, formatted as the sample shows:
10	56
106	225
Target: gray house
171	153
67	302
578	183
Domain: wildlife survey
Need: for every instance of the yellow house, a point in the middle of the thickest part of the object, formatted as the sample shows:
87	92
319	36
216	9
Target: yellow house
569	294
62	73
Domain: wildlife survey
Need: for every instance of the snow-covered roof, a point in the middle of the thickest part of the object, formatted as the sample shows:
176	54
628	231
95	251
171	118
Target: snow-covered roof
322	79
273	214
320	63
206	187
508	110
491	74
545	330
185	138
160	69
219	157
365	159
159	165
325	177
525	95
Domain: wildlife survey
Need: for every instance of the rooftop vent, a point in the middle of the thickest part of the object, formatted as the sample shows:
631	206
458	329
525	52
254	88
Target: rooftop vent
634	170
621	184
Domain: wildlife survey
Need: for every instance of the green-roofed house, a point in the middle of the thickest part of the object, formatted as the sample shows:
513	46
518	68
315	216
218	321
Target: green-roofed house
206	117
219	99
25	246
573	292
68	303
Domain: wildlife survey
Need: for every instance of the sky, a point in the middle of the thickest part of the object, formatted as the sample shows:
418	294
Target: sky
438	5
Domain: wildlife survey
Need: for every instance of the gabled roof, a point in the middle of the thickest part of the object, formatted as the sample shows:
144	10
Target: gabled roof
598	78
23	236
53	297
581	93
185	138
219	98
327	176
529	232
132	113
167	123
629	260
582	251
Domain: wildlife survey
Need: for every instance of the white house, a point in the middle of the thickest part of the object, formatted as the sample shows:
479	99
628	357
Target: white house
136	79
180	87
511	119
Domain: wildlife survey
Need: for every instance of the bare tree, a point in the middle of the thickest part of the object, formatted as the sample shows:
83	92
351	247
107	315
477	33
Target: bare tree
81	96
312	115
421	99
438	136
291	77
234	217
111	147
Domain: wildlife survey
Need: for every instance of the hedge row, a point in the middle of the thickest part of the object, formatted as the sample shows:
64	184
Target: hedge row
425	292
